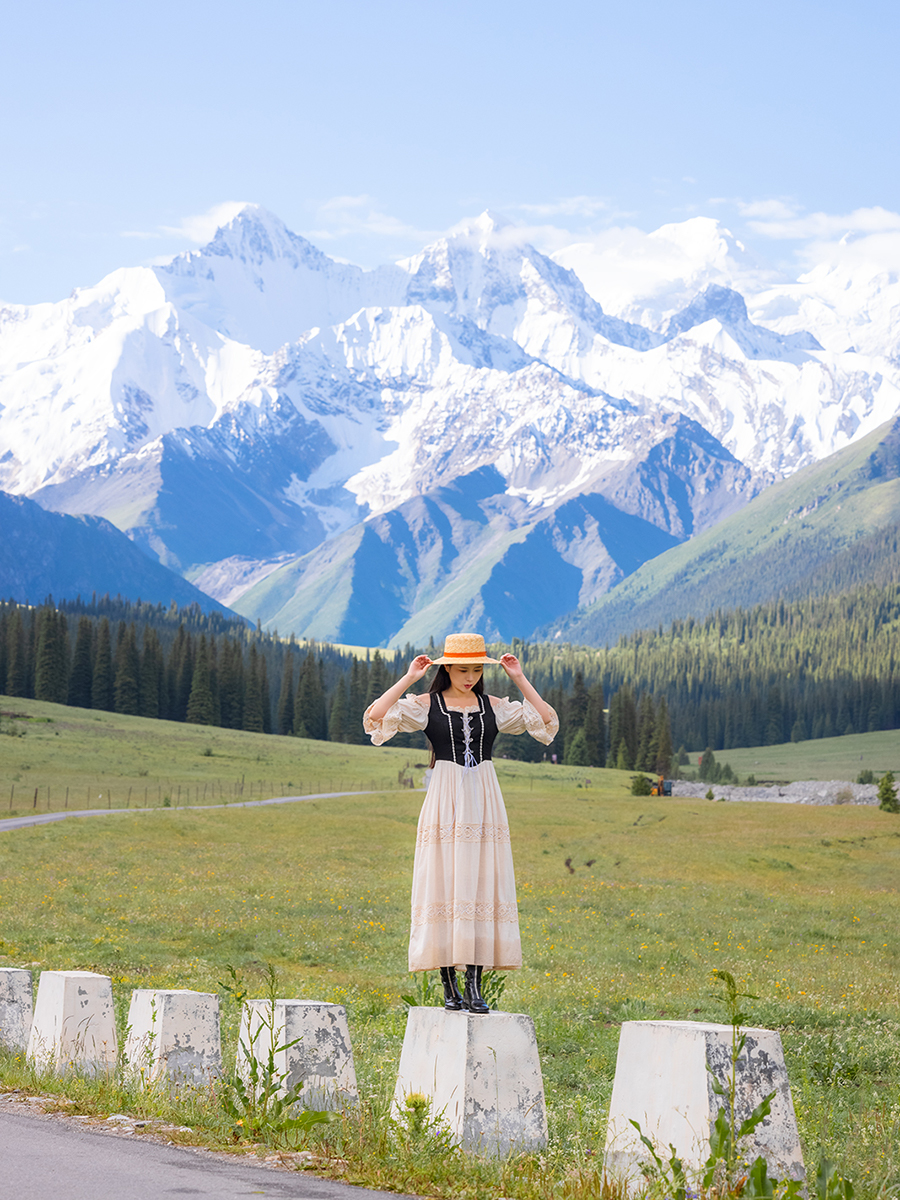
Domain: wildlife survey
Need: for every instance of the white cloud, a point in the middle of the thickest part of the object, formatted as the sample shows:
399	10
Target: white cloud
199	229
865	239
348	216
202	228
871	253
645	277
819	225
771	210
569	206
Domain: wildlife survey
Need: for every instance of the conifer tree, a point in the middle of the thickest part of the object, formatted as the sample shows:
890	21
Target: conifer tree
179	674
379	679
645	760
887	794
214	679
709	768
253	711
358	690
102	677
51	665
200	710
284	716
577	752
338	717
665	753
623	729
774	720
595	726
127	682
265	694
231	685
5	614
82	665
30	651
576	706
152	675
310	719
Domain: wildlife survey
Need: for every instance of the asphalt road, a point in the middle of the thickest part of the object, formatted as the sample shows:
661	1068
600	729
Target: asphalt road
46	818
48	1157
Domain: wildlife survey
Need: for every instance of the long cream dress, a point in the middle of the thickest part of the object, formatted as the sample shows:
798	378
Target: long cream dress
464	890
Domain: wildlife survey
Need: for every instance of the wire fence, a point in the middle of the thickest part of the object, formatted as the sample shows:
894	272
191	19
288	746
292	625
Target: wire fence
23	798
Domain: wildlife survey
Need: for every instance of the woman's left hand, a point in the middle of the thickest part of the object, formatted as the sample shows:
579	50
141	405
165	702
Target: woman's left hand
511	666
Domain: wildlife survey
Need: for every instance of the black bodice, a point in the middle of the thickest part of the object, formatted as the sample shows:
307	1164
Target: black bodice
464	738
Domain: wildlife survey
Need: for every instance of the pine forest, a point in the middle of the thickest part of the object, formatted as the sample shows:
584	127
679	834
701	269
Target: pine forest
812	668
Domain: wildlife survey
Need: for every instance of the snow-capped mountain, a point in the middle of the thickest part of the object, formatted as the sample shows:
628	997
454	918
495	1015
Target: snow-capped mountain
261	417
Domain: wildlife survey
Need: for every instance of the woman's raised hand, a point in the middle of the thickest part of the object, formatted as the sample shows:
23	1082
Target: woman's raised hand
511	665
418	667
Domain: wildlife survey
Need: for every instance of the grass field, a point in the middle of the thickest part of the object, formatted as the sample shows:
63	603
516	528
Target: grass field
800	903
57	757
824	758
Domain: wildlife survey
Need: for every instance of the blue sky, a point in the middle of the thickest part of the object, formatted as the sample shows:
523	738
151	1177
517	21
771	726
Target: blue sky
372	128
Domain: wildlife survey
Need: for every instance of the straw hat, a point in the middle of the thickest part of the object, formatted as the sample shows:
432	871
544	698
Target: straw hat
463	650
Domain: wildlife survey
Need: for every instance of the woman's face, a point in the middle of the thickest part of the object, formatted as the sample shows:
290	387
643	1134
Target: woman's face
464	678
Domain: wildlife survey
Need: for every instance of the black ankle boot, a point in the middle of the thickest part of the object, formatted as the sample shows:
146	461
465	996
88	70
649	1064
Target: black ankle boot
472	998
453	1001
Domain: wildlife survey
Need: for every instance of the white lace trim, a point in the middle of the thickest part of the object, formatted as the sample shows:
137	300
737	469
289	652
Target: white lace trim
465	910
430	835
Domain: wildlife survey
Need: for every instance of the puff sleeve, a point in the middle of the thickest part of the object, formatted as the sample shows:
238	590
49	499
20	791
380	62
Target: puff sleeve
406	716
518	716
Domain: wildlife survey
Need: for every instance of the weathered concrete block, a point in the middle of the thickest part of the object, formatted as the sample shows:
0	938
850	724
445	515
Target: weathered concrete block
321	1057
174	1034
15	1008
482	1075
663	1084
74	1027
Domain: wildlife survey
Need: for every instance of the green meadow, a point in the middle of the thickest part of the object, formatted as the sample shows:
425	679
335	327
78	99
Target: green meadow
822	758
627	906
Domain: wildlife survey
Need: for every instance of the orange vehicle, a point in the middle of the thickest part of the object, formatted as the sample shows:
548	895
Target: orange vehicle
662	787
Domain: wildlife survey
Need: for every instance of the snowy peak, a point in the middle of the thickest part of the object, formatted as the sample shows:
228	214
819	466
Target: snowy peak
258	283
255	237
729	308
648	278
483	229
485	273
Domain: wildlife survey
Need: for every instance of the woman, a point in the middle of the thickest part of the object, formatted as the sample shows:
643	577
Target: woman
464	893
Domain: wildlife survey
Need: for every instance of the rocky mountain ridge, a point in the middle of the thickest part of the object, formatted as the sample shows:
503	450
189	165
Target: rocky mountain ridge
254	411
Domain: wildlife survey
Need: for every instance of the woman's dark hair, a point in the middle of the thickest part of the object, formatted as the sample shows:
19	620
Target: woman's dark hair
441	682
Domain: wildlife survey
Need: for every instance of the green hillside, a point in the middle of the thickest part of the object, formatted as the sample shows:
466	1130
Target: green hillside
829	527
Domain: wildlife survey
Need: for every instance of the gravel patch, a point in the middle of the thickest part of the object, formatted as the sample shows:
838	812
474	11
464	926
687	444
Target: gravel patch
807	791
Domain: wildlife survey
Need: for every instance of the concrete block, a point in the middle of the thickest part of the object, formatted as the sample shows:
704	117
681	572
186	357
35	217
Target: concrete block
321	1058
74	1027
15	1008
662	1083
482	1075
174	1034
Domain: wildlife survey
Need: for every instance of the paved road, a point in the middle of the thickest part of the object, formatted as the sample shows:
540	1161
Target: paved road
45	818
45	1157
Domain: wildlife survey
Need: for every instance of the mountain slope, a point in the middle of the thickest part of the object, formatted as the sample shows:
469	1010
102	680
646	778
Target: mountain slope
831	524
43	553
255	404
472	554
